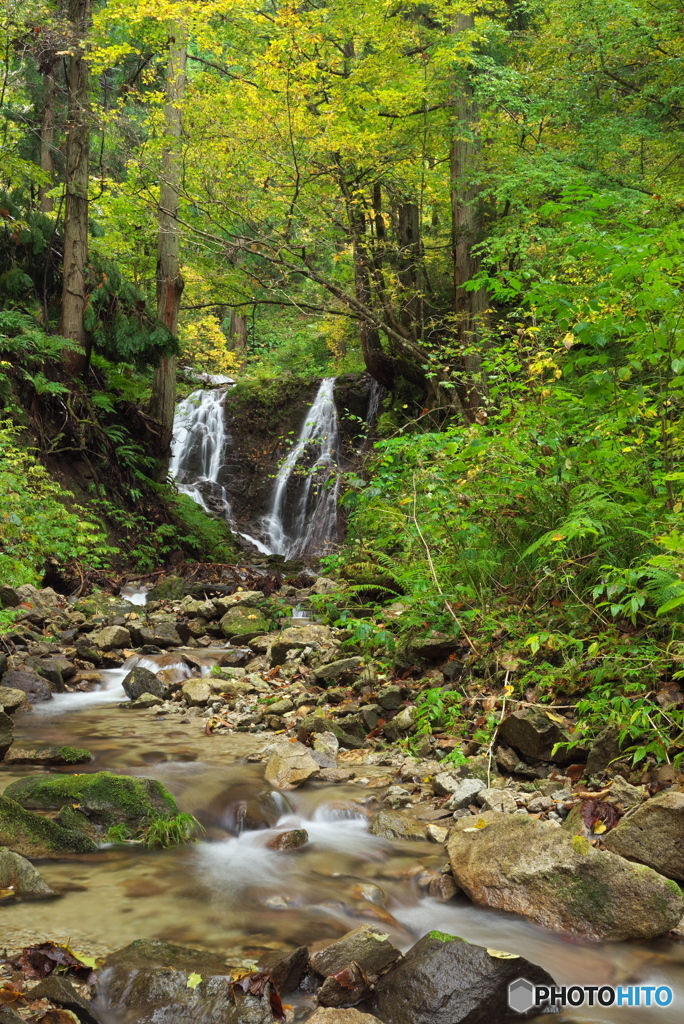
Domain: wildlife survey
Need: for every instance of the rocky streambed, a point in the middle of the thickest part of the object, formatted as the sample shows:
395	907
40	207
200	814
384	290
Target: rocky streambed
332	866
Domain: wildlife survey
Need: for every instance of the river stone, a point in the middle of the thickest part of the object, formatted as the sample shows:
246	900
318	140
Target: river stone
148	983
394	825
604	750
297	638
204	609
289	765
326	747
48	755
286	841
653	835
18	874
346	988
464	793
342	671
111	638
169	589
106	798
330	1015
54	669
33	686
11	699
445	980
240	625
6	733
140	680
246	598
318	723
160	634
403	722
532	867
34	836
59	990
197	692
368	946
533	734
285	969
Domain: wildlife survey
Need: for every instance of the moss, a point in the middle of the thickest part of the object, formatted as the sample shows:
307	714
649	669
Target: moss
74	755
34	836
584	897
171	588
444	937
107	798
581	845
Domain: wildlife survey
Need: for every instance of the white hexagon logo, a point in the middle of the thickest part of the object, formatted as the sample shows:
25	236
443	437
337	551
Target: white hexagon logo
521	995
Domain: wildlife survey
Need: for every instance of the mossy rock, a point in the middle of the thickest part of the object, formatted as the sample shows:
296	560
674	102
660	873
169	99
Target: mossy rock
240	625
106	798
34	836
172	588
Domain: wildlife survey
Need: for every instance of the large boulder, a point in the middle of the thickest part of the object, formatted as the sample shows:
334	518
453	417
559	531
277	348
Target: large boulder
159	634
31	835
48	755
246	598
111	638
297	638
653	835
11	700
289	765
34	686
240	625
197	692
140	680
534	868
169	589
367	946
106	799
147	982
445	980
533	734
6	733
18	874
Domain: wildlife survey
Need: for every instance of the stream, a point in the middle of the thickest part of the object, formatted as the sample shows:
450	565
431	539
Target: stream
229	893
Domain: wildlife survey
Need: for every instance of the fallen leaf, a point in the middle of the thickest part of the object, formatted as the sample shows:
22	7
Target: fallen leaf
503	956
39	961
194	980
10	993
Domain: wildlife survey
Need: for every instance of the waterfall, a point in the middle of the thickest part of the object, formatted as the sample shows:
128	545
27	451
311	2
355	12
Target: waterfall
197	452
307	522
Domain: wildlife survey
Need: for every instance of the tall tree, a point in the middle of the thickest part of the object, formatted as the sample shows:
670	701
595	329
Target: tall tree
169	278
76	186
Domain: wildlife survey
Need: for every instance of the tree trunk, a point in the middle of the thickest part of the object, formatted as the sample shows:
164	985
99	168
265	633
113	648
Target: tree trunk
237	333
410	262
76	185
47	142
169	279
467	219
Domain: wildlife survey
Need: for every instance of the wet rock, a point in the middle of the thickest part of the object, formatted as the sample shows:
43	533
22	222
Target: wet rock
297	638
11	700
204	609
106	798
319	723
368	946
445	980
604	750
240	625
289	765
437	833
533	734
148	982
404	722
286	969
344	988
336	774
6	733
34	836
59	990
197	692
653	835
286	841
159	634
393	825
169	589
443	888
328	1015
247	598
397	796
536	869
18	874
140	680
326	747
48	755
111	638
342	671
53	668
144	701
30	683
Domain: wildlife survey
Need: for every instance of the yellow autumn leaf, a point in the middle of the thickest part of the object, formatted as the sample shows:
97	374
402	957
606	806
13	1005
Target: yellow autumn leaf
503	956
194	980
599	828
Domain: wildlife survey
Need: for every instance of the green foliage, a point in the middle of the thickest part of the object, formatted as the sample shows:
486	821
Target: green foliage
158	831
39	520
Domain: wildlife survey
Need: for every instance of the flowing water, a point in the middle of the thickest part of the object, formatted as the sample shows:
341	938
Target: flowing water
199	439
230	893
304	522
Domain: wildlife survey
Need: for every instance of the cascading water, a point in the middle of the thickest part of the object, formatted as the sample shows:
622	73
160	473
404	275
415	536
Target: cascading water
197	453
307	522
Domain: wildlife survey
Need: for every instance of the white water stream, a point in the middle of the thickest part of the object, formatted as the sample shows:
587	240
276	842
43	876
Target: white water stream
199	439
